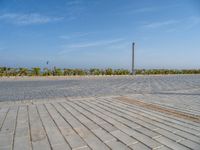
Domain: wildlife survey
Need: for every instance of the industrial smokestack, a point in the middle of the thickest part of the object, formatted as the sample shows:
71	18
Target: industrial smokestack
133	61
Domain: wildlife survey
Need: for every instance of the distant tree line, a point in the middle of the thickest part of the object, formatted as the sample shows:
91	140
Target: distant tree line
6	71
167	71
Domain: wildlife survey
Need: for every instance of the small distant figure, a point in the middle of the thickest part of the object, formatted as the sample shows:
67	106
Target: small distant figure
47	62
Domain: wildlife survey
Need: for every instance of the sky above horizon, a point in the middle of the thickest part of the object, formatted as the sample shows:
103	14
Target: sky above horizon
99	34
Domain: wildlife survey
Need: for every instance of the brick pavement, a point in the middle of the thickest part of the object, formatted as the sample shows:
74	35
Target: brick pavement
89	113
177	86
93	123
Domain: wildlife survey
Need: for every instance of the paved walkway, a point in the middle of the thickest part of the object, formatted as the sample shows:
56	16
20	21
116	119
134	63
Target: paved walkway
98	123
187	86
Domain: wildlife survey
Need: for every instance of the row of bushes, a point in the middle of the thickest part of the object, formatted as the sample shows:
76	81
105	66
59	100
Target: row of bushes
5	71
167	71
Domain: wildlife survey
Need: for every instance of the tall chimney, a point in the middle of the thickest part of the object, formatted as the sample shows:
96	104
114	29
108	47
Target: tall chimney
133	65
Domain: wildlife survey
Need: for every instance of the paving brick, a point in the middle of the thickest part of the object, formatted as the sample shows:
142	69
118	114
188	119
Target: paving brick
164	148
169	135
144	139
3	113
6	148
70	135
60	147
87	135
103	135
94	143
166	127
188	136
6	140
41	145
105	125
38	135
108	127
83	148
22	143
116	145
129	115
150	142
10	121
124	137
54	135
22	134
139	146
190	144
83	119
171	144
75	141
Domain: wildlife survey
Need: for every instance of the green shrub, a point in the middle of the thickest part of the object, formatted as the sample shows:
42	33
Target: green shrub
79	72
57	72
36	71
68	72
6	71
109	71
23	72
95	71
47	72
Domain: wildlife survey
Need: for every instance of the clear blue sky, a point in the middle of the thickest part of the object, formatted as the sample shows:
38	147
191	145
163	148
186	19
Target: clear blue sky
99	33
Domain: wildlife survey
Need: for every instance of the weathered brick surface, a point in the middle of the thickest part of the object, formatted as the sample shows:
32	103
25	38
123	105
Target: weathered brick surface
97	122
93	123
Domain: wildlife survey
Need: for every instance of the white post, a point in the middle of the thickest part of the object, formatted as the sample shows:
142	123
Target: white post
133	65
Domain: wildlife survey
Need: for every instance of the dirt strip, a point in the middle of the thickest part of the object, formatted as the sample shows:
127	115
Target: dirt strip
191	117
